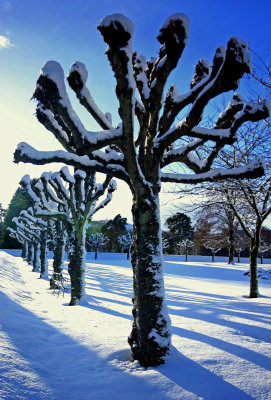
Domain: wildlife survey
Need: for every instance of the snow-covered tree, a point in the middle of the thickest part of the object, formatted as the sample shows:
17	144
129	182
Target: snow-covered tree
185	245
21	239
141	158
73	200
262	249
30	228
213	244
96	241
126	242
241	242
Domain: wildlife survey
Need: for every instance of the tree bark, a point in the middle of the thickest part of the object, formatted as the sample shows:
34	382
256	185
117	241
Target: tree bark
23	252
59	252
254	247
231	254
30	254
150	336
26	250
44	255
36	257
76	268
96	254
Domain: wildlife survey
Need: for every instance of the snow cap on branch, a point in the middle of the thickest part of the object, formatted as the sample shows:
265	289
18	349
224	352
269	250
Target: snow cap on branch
80	174
54	71
176	26
80	69
257	111
202	70
241	52
116	29
65	174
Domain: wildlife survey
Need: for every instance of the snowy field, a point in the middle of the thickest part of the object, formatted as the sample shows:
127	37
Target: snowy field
221	339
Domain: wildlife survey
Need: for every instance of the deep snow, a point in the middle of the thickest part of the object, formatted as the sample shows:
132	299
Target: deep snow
221	339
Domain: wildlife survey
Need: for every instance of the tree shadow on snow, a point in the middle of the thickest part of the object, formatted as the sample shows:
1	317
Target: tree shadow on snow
198	380
58	366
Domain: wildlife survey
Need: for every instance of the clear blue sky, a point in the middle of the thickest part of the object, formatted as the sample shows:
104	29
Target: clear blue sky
33	32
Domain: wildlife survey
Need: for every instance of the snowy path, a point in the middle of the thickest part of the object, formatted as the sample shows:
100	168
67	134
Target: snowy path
50	351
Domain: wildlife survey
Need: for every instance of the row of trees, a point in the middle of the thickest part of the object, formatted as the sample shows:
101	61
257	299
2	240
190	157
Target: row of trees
214	229
141	154
62	205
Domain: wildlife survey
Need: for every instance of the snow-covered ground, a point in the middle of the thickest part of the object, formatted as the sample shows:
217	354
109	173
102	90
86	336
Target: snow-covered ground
221	339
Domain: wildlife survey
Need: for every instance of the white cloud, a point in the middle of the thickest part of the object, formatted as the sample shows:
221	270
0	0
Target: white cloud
5	43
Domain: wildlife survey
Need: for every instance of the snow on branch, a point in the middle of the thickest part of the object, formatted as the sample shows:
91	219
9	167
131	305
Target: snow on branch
26	153
77	77
228	68
58	115
253	170
117	31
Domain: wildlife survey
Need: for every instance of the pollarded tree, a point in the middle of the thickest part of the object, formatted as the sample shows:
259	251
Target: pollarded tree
30	227
73	200
126	242
21	239
55	229
96	240
138	158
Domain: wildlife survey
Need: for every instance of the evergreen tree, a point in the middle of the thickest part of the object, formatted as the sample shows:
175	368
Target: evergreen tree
113	229
180	228
20	201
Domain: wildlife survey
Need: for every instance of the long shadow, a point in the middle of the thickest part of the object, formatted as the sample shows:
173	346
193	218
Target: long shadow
236	350
58	366
202	271
109	282
90	304
199	380
211	312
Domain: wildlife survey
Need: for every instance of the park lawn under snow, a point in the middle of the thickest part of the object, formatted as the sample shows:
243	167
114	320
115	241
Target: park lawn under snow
221	339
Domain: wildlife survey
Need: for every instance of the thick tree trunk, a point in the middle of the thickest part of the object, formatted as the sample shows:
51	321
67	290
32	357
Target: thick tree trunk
96	254
23	252
77	267
59	252
186	254
36	257
213	256
231	254
30	254
254	288
261	258
231	245
150	336
128	253
44	255
238	256
26	250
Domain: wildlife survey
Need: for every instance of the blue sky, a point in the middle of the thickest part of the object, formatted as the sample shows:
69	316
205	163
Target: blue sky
33	32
